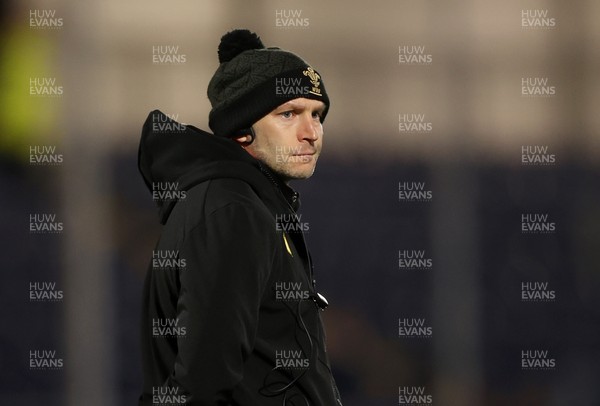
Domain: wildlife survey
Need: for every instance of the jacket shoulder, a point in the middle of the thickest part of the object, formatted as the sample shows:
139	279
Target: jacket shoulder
227	191
210	196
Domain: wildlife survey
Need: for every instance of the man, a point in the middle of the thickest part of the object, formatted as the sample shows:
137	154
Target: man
231	314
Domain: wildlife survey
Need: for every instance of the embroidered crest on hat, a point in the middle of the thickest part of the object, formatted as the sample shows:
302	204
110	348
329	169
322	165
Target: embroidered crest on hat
315	79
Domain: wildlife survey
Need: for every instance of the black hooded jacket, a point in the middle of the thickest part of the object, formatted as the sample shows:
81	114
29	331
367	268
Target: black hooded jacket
230	312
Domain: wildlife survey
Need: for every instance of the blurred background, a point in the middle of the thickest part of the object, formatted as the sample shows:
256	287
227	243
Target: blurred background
490	108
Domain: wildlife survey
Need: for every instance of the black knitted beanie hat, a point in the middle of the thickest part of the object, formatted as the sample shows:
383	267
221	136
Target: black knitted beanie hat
252	81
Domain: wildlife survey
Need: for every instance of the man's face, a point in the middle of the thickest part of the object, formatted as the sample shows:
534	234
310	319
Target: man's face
288	139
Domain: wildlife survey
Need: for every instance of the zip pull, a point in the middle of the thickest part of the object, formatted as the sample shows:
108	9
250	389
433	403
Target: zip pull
320	300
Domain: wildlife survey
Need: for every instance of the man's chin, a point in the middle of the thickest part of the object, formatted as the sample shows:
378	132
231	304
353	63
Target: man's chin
296	175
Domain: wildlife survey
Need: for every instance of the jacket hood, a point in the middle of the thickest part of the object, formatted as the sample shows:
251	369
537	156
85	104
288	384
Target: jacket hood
174	157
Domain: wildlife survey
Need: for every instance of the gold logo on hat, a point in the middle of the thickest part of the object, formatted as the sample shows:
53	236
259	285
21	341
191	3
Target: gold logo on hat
314	79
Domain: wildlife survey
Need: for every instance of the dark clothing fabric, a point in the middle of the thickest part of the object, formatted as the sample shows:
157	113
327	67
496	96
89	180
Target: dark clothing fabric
233	320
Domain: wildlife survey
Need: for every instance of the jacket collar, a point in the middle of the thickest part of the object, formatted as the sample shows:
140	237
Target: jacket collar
290	195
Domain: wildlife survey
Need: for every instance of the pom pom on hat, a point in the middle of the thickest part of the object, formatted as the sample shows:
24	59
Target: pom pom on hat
237	41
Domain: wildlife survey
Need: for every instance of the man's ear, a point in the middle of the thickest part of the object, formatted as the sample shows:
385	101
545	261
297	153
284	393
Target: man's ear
245	137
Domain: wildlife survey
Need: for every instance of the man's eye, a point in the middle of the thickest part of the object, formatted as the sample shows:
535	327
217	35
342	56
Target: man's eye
317	116
287	114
